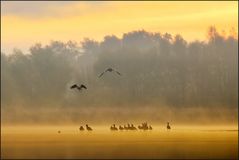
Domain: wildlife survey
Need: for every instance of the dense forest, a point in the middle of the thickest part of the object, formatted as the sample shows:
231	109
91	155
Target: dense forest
157	70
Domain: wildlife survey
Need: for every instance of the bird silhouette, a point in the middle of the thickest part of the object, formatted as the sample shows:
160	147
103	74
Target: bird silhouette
132	127
113	128
109	70
78	87
121	128
168	126
140	127
81	128
88	128
144	126
150	128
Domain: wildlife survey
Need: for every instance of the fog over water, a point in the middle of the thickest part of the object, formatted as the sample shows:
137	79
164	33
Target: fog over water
164	78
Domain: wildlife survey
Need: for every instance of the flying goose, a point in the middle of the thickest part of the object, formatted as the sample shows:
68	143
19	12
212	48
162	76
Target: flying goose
78	87
109	70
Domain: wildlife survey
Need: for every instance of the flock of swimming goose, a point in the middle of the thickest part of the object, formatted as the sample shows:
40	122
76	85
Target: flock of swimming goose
88	128
143	126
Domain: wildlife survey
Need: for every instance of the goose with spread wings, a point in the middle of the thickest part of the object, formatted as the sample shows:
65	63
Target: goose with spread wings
109	70
78	87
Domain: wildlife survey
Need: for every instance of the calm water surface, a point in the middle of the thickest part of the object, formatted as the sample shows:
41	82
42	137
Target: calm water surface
181	142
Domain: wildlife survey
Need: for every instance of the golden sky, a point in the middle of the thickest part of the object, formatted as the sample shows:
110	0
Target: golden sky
25	23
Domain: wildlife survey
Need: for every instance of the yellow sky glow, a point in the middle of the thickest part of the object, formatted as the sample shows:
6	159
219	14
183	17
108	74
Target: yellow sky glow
76	21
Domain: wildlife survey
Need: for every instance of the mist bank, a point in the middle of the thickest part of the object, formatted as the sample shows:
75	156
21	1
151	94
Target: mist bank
108	115
160	73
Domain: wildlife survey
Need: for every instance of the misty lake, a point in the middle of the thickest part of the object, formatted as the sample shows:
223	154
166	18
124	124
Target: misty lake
182	142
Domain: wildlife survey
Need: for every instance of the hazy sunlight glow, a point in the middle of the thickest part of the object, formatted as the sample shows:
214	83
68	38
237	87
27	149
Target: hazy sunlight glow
96	20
